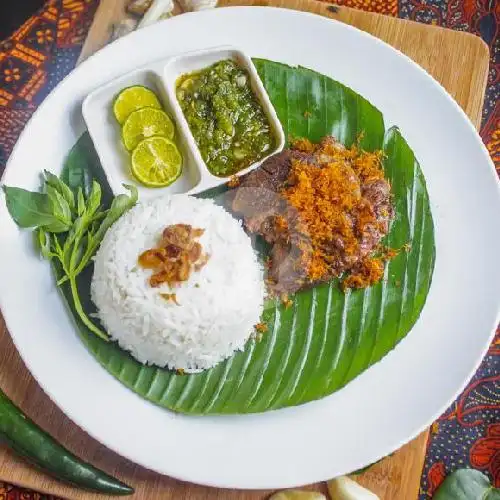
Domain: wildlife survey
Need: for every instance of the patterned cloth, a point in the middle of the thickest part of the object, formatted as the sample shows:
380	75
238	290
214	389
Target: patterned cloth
40	53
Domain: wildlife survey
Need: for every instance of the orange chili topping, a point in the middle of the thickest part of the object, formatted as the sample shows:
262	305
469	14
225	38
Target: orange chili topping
325	199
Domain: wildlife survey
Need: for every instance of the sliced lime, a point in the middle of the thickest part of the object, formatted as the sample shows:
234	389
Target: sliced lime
131	99
156	162
146	122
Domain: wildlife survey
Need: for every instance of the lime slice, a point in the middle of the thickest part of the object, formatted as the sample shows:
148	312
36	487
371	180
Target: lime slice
156	162
146	122
131	99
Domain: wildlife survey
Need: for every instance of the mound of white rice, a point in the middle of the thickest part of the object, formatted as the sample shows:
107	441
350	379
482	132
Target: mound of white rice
219	305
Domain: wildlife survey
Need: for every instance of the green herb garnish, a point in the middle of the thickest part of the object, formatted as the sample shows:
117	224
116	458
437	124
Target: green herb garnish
69	228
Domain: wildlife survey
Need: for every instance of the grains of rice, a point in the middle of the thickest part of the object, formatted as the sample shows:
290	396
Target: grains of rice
219	305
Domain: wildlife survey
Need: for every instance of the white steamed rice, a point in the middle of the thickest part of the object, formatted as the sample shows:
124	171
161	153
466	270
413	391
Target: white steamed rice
219	305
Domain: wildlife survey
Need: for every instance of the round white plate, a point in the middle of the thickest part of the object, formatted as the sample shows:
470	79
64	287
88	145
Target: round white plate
380	410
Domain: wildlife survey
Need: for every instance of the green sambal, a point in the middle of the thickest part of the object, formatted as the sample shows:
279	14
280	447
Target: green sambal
226	119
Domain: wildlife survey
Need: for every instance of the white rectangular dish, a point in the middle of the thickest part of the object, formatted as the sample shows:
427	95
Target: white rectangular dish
105	132
196	61
161	78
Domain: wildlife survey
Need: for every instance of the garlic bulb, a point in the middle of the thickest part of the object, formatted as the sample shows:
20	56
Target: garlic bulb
344	488
194	5
298	495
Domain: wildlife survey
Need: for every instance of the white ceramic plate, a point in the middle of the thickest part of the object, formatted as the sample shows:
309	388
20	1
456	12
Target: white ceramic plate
380	410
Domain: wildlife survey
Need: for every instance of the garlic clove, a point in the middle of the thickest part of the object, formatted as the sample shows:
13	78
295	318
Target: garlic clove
344	488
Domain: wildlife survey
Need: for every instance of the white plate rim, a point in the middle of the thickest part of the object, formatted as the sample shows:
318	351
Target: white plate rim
282	479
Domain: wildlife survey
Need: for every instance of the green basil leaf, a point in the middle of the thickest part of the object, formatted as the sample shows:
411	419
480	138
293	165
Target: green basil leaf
94	199
64	190
99	215
28	209
81	202
57	245
43	239
123	202
119	206
60	207
467	484
56	226
76	230
77	253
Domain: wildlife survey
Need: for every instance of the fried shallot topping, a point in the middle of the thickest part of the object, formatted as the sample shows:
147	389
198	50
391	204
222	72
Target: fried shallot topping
176	257
261	327
233	182
170	297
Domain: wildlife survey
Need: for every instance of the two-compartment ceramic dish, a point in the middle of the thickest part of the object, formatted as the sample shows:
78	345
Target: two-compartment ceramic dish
161	77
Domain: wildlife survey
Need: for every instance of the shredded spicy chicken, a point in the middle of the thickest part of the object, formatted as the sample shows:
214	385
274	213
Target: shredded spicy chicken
176	257
331	208
324	209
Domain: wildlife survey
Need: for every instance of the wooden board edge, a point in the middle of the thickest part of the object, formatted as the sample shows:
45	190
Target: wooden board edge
107	14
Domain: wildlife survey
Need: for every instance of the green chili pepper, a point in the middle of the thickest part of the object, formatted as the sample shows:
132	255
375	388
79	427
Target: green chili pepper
24	437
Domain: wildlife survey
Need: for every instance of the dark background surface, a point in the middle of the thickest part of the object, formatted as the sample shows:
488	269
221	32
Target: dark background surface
14	12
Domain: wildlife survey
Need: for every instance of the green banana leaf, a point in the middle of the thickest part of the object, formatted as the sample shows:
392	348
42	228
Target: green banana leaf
327	337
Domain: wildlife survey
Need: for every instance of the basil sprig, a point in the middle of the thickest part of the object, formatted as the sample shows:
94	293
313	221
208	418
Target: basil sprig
68	227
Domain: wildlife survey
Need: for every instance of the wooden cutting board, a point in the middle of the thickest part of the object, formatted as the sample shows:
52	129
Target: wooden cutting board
459	61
